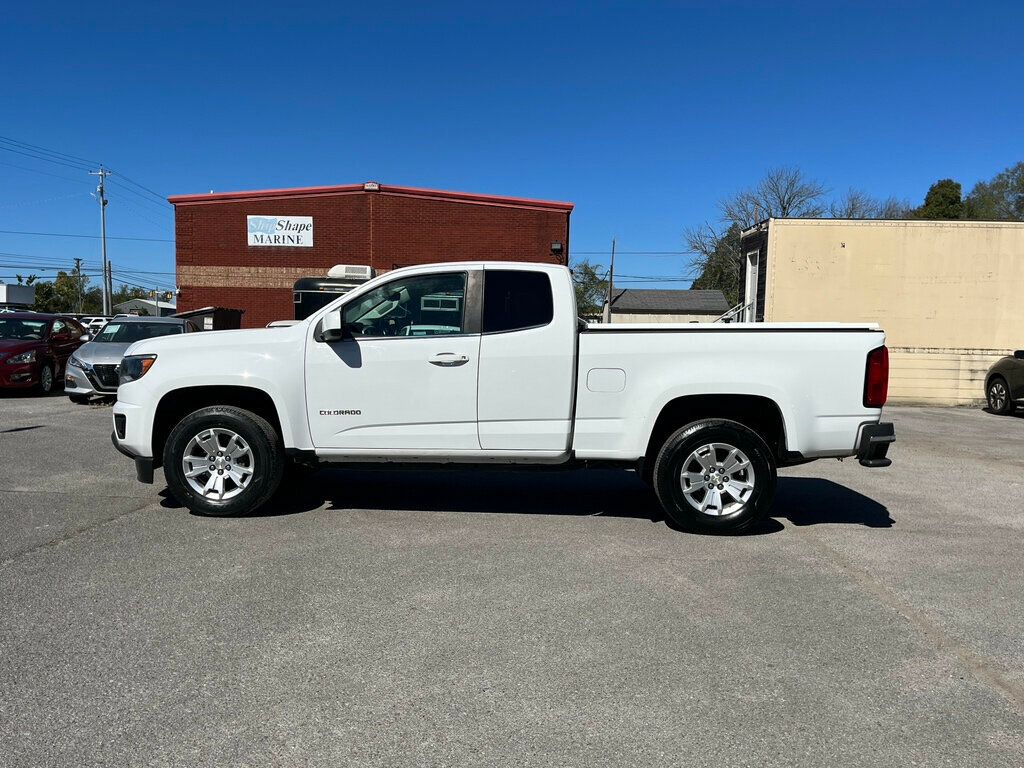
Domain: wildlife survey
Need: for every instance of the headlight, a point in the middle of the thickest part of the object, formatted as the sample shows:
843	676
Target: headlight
134	367
24	357
74	362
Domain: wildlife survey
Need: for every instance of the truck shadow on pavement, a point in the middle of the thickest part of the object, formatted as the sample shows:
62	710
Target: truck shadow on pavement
596	493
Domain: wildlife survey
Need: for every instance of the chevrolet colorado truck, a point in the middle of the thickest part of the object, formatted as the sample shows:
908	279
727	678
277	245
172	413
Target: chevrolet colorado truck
484	364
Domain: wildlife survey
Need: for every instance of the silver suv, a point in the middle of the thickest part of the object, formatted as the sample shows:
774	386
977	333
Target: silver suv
93	369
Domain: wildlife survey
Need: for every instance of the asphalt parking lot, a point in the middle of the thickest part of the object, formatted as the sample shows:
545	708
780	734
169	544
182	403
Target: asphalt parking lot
456	618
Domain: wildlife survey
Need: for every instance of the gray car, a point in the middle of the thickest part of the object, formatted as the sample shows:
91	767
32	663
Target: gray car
93	369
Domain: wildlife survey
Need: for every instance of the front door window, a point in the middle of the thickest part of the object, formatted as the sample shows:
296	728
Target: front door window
427	305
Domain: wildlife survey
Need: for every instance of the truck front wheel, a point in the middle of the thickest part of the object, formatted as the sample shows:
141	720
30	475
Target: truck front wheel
223	461
715	476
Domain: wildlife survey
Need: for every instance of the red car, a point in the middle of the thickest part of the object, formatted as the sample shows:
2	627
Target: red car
34	348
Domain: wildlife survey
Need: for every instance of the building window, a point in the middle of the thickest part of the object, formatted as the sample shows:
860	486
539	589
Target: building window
514	300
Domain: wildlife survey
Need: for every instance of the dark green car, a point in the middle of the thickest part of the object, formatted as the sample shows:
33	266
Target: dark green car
1004	383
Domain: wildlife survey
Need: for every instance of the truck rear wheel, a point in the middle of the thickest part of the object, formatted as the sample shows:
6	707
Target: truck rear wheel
223	461
715	476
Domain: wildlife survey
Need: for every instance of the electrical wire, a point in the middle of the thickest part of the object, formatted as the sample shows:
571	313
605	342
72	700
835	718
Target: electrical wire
36	147
90	237
161	198
44	158
164	208
46	173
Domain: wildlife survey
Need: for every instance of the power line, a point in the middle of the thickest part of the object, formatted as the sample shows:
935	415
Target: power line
21	203
61	259
157	195
44	149
90	237
164	208
631	253
45	173
143	215
44	158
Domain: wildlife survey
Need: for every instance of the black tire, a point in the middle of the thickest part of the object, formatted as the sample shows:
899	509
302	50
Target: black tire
46	382
79	399
740	514
998	395
267	460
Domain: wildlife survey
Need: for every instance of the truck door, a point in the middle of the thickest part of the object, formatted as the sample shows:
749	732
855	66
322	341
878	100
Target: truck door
527	362
406	378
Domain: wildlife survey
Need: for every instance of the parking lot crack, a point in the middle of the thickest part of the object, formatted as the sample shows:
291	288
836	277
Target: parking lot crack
71	534
984	670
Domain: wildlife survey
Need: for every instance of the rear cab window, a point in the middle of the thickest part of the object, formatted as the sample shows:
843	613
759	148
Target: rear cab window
515	300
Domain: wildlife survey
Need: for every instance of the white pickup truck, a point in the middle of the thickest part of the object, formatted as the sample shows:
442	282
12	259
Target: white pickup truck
487	364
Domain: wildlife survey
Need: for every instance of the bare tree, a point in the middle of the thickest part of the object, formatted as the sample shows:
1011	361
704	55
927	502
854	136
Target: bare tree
855	204
782	193
894	208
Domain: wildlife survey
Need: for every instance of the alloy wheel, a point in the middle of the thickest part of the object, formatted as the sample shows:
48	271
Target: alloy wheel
717	479
218	464
997	396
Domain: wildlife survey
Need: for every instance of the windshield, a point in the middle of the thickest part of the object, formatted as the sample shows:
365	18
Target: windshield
23	330
126	333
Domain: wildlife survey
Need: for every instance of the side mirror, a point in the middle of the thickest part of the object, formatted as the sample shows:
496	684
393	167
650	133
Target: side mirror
332	327
85	337
1019	354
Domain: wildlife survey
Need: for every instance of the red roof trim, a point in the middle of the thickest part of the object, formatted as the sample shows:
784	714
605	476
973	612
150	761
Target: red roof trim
385	189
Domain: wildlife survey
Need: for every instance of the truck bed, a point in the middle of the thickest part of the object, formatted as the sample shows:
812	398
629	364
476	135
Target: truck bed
812	372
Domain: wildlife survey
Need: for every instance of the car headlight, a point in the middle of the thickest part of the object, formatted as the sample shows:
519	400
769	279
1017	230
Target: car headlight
24	357
134	367
74	362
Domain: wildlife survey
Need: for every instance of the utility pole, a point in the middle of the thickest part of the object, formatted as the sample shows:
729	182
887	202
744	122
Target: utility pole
108	283
78	282
611	282
101	196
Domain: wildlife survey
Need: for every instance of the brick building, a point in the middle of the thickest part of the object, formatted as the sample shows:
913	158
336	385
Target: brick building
246	249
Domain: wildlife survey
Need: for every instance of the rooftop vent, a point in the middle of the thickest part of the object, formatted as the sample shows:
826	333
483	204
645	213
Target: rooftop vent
352	272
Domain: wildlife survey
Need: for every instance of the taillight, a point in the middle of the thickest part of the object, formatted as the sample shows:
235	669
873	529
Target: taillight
876	378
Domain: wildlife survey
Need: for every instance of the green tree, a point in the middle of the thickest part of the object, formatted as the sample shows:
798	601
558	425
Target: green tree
717	259
999	199
66	293
943	201
781	193
591	288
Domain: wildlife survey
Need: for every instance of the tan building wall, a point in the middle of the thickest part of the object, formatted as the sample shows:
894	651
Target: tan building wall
647	317
950	295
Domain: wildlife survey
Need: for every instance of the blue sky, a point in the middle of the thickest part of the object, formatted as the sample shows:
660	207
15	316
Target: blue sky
642	114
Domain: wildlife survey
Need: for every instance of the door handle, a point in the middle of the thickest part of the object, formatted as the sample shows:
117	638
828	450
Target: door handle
448	359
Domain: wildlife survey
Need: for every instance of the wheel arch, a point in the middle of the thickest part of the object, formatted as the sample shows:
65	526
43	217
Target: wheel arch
178	403
995	372
757	412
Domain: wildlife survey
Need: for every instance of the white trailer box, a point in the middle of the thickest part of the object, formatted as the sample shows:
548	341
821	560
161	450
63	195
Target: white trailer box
17	296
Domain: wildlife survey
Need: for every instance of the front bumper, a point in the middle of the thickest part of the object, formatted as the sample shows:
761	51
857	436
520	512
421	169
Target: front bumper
87	381
875	440
143	464
19	376
77	383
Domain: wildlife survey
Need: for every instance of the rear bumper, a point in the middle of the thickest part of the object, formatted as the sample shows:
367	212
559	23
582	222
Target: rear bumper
875	440
143	464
